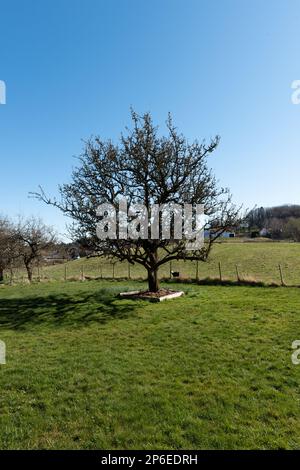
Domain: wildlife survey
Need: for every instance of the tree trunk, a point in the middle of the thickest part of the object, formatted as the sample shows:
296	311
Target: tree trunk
1	275
153	280
29	272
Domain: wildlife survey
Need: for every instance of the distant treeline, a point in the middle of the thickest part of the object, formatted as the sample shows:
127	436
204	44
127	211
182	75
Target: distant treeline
280	222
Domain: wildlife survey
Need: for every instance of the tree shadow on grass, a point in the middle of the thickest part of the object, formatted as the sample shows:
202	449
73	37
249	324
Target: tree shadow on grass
63	310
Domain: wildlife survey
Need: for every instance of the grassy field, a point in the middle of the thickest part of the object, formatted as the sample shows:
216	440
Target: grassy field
256	260
86	370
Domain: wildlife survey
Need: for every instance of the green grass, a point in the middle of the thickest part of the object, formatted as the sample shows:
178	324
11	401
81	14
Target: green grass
257	260
86	370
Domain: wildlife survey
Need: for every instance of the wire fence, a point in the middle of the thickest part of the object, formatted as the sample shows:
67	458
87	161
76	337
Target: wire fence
283	273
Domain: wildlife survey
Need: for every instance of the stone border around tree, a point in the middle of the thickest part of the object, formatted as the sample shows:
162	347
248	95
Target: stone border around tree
140	295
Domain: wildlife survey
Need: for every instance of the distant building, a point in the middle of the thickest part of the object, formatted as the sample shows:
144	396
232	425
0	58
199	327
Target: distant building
224	235
264	232
228	235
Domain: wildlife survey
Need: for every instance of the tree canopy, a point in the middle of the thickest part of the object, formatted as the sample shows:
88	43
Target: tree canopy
146	168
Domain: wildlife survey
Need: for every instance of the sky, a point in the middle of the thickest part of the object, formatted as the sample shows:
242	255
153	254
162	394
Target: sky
73	69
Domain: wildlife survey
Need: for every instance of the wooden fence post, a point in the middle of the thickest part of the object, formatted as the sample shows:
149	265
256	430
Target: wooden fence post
170	269
197	270
82	273
281	275
129	274
220	271
237	273
65	273
113	270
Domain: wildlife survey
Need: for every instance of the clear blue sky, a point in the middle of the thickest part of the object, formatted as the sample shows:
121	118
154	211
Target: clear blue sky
74	67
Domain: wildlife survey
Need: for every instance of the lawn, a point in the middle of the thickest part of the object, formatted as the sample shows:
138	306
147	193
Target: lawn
86	370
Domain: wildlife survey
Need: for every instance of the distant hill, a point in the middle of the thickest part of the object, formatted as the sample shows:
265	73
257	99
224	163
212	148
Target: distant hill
279	222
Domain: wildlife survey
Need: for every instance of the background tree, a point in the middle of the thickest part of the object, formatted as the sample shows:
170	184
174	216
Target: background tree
8	252
292	229
147	169
276	227
34	238
256	218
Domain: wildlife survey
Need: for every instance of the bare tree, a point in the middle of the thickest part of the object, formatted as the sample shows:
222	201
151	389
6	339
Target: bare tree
147	169
8	252
292	229
275	227
34	239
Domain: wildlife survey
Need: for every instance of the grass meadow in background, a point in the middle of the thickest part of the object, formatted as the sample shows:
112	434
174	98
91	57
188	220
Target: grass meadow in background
256	261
